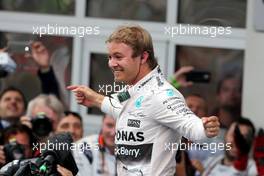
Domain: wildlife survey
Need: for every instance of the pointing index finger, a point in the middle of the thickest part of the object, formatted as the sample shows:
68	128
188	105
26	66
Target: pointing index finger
72	87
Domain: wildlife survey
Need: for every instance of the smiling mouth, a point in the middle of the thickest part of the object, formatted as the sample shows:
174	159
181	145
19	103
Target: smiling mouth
116	71
12	108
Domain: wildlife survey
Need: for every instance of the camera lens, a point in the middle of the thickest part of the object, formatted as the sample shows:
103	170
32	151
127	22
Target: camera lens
14	151
41	125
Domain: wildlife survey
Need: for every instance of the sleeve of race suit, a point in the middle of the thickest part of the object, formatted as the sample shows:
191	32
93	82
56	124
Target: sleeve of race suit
111	106
168	107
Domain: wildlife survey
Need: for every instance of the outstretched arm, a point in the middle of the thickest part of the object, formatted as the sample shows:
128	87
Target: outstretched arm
172	111
86	96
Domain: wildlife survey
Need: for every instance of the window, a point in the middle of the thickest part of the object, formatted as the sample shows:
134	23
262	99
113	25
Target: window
99	65
65	7
145	10
25	76
213	12
221	63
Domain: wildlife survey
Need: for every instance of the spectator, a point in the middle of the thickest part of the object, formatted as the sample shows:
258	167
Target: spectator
179	79
41	56
197	104
12	106
46	74
71	122
186	160
229	100
184	166
50	105
199	155
228	95
239	139
98	158
53	62
20	136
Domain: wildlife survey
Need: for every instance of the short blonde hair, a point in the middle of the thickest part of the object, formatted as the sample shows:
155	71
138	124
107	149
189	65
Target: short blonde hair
138	39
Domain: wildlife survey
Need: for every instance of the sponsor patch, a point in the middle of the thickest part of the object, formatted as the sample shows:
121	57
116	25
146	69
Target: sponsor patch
133	123
123	96
138	102
170	92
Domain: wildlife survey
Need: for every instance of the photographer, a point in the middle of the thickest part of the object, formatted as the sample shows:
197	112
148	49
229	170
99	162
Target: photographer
48	104
19	145
43	115
71	122
18	142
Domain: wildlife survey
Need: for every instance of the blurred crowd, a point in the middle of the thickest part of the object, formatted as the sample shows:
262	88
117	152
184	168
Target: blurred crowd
23	124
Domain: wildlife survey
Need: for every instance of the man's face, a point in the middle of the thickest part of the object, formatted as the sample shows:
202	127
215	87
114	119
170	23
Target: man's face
71	124
124	67
12	105
108	131
197	105
54	118
230	94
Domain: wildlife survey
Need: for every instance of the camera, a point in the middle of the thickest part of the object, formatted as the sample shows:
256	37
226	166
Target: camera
46	163
198	76
14	151
41	125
